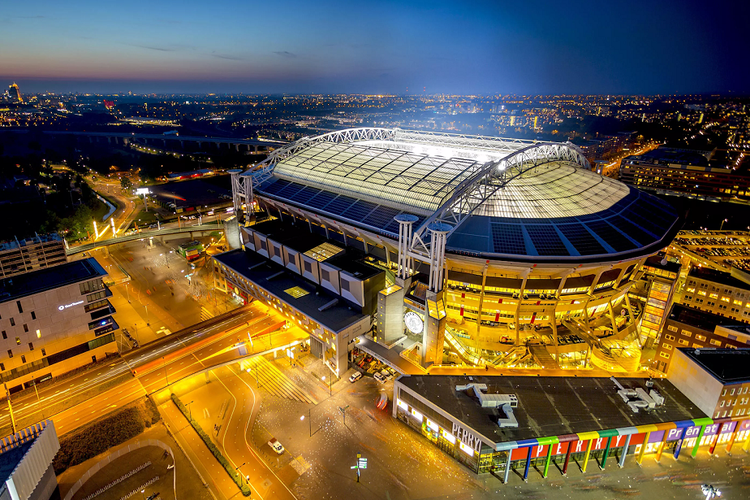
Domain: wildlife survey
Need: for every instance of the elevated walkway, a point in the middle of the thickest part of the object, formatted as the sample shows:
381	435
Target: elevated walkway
390	357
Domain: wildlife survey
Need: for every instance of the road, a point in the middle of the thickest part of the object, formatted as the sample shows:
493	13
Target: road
67	392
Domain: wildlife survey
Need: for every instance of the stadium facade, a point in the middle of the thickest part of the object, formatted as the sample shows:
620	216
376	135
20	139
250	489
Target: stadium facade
456	248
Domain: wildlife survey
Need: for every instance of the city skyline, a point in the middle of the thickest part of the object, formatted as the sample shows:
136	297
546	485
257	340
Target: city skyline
385	47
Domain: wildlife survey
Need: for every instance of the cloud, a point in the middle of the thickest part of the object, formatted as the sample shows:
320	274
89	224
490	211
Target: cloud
229	58
150	47
286	54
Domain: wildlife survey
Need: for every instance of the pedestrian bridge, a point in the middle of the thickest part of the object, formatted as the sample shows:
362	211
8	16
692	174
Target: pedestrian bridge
191	231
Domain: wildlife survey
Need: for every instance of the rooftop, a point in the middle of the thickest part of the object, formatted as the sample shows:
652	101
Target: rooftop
728	366
550	406
673	156
50	278
265	274
555	210
720	277
701	319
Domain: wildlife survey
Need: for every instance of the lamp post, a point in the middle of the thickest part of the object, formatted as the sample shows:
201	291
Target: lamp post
240	472
722	224
309	419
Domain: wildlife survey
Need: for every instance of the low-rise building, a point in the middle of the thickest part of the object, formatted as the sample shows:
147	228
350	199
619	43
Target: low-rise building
496	424
716	380
54	320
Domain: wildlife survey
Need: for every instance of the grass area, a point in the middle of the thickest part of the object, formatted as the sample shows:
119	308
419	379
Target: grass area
213	448
149	217
97	437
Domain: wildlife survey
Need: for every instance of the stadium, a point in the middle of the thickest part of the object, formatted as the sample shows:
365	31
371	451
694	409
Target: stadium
453	248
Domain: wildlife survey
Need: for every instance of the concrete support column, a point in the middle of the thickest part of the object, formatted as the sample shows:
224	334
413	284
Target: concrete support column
662	445
731	438
405	233
606	453
639	458
678	447
438	236
746	446
567	458
547	461
698	441
507	467
586	457
528	464
624	451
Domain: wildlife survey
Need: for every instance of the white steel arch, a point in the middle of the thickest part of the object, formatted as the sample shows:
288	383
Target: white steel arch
493	176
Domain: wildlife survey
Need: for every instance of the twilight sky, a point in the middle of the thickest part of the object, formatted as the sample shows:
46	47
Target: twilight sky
523	46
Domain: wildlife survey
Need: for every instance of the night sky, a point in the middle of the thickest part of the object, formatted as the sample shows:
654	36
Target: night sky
292	46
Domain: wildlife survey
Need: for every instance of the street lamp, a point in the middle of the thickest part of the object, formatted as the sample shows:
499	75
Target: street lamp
240	473
309	419
722	224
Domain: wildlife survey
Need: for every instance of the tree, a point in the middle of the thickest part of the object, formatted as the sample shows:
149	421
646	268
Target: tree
126	183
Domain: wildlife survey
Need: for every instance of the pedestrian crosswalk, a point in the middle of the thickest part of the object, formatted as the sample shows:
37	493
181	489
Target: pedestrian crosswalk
275	381
206	314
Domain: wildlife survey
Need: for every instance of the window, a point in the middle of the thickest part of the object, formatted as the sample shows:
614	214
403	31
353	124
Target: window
20	309
715	342
5	335
23	358
672	328
325	275
2	366
700	338
33	315
31	346
667	346
687	333
664	355
12	322
10	353
669	337
731	393
344	285
18	340
91	286
683	342
44	351
25	327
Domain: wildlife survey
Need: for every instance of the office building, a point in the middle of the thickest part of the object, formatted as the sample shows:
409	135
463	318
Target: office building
688	327
18	257
718	293
685	173
26	471
14	93
54	320
486	250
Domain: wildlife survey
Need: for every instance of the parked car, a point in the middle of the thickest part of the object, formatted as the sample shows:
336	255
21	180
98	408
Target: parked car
379	377
355	376
276	446
385	373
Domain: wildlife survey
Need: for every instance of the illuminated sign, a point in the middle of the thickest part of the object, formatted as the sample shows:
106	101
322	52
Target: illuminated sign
416	414
466	436
413	322
448	436
141	191
60	308
466	449
432	425
402	405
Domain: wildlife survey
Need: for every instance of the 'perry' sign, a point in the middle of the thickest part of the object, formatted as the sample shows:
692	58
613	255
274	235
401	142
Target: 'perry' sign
69	305
467	437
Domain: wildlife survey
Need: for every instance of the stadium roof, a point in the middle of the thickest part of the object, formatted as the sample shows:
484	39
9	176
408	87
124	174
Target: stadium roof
509	199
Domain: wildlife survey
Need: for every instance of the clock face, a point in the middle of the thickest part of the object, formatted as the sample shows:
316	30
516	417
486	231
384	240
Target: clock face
413	322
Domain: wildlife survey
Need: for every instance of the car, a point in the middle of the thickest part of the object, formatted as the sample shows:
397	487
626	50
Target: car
276	446
379	377
355	376
385	373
